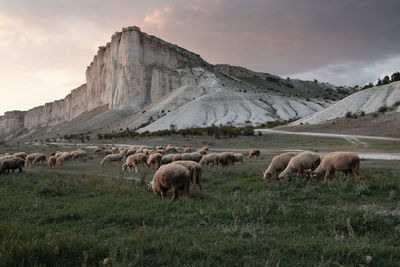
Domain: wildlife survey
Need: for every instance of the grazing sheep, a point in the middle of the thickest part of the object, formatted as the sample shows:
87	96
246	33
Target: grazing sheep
108	151
98	151
167	159
278	164
170	149
111	158
203	150
52	161
254	153
226	159
210	160
159	148
133	161
171	176
347	162
130	151
21	155
195	156
79	154
195	171
154	159
29	159
177	157
187	150
303	161
40	158
238	157
12	164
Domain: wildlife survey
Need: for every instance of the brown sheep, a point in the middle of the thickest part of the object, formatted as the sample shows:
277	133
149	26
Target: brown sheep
171	176
177	157
278	164
303	161
52	161
133	161
170	150
238	157
187	150
194	169
154	160
347	162
254	153
226	159
210	160
21	155
40	158
12	164
29	159
195	156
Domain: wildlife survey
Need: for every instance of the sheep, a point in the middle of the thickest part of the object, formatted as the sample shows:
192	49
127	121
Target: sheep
154	159
195	156
21	155
108	151
133	161
347	162
226	159
111	158
159	148
40	158
52	161
29	159
167	159
177	157
171	176
195	171
303	161
210	160
278	164
12	164
170	149
187	150
254	153
98	151
130	151
238	157
79	154
203	150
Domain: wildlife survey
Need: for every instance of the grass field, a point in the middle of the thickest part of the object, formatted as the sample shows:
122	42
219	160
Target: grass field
83	214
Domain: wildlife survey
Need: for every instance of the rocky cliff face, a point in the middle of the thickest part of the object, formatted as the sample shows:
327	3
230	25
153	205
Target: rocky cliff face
130	72
137	72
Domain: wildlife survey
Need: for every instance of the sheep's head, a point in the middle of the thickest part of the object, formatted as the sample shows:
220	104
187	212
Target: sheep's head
314	174
267	175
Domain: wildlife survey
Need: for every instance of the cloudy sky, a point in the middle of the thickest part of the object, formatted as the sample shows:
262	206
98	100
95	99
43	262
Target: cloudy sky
45	45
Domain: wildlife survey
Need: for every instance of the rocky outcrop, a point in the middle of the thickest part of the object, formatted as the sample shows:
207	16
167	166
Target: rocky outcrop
11	121
130	72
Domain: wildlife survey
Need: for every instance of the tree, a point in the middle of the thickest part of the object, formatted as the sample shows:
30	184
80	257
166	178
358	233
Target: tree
386	80
395	77
379	82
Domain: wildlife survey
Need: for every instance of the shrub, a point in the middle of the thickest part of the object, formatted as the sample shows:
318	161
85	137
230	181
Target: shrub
383	109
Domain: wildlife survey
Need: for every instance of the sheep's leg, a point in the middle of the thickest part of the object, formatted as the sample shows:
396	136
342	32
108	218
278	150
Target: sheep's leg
174	193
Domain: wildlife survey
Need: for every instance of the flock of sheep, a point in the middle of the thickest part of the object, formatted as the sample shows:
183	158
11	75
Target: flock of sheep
180	171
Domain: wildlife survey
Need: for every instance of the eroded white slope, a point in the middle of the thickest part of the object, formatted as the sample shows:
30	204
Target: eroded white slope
369	100
211	102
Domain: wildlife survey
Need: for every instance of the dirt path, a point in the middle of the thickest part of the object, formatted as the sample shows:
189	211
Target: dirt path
354	139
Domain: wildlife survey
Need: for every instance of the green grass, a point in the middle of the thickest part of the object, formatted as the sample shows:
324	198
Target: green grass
83	214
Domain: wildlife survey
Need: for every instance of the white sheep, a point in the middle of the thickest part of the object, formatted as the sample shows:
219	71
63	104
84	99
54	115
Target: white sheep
304	161
111	158
347	162
278	164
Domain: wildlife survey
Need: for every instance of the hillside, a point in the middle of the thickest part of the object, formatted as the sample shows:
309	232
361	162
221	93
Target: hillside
366	101
141	82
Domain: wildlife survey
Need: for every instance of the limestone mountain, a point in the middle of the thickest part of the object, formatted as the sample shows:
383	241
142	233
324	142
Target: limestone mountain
141	82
